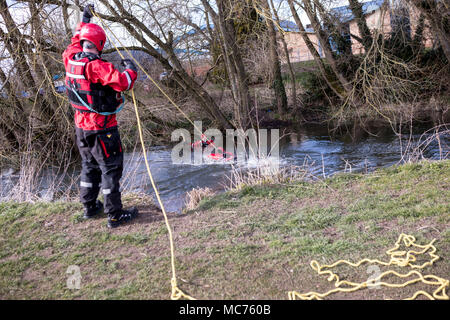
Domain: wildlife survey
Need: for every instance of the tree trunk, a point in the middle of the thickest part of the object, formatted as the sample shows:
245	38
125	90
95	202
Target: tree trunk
332	83
324	41
235	65
64	8
417	41
41	63
16	49
233	61
288	59
364	31
438	15
277	80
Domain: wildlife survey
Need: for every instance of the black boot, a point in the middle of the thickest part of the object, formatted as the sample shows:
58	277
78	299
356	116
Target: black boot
91	211
116	219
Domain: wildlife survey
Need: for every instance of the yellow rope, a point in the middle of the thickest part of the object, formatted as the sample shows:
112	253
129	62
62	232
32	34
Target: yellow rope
397	258
176	292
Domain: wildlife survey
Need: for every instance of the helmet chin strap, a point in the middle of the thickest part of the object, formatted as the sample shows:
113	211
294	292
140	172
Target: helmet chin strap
85	54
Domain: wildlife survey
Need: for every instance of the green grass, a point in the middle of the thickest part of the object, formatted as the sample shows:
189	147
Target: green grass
256	243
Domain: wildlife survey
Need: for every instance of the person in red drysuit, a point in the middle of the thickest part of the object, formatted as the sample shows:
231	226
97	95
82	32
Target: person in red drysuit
93	87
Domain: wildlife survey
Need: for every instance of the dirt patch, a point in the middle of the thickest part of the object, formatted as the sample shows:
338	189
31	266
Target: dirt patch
331	232
31	274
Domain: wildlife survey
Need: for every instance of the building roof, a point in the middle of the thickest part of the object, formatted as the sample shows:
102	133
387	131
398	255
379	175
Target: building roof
345	14
191	33
290	26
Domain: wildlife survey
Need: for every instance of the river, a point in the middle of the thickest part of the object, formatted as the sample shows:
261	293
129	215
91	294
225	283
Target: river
310	148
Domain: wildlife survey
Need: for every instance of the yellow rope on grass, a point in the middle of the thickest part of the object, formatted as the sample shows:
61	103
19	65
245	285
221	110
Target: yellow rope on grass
397	258
176	292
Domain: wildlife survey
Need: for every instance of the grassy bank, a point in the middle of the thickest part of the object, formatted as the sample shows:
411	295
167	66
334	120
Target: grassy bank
252	244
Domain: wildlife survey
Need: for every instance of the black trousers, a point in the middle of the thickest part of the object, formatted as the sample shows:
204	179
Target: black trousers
101	166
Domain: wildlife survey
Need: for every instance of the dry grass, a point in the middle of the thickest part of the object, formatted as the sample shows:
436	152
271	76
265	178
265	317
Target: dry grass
196	195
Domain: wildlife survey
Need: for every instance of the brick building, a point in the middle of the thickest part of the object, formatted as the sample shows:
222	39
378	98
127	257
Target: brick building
380	16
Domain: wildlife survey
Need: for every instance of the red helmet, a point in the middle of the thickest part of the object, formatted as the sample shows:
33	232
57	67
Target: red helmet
95	34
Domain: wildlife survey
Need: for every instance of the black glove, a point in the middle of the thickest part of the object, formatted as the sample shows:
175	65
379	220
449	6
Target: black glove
128	64
87	13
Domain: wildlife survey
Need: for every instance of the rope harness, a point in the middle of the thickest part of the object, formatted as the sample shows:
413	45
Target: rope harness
398	258
95	111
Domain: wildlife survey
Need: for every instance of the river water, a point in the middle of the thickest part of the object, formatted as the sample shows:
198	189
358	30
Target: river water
310	148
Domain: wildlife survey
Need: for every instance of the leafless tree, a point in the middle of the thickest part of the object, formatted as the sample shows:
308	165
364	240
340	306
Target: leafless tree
437	12
286	53
234	64
330	79
276	78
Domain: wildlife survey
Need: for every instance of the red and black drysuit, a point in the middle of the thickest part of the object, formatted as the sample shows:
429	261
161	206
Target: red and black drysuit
98	83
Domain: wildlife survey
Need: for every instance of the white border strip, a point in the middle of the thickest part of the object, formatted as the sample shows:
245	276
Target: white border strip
75	76
77	63
86	184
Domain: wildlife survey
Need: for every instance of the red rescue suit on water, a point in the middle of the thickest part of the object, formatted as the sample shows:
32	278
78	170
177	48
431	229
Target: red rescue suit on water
93	87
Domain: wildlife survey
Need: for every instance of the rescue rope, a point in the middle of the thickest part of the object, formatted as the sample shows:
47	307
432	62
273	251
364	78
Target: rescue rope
397	258
396	255
176	292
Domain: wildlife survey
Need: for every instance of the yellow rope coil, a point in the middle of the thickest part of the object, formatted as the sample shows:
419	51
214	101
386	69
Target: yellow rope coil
397	258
